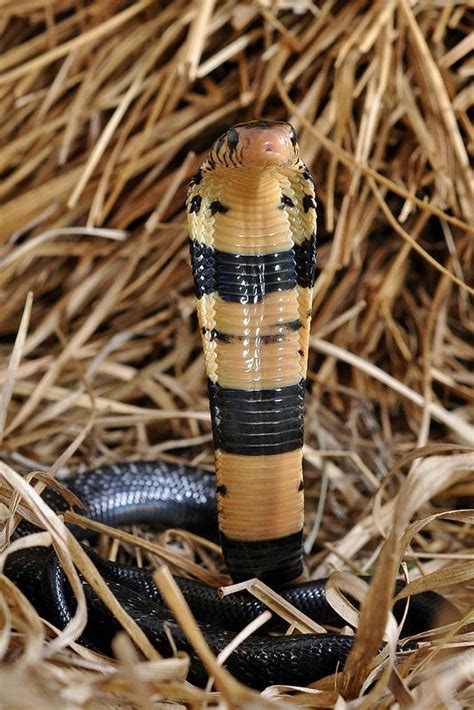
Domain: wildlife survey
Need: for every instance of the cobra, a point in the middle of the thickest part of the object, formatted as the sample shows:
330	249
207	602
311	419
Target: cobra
252	222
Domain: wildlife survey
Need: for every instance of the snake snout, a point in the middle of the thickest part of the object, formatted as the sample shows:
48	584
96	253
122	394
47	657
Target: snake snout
257	144
266	145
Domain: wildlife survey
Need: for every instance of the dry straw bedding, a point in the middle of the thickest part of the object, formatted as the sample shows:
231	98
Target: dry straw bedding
108	108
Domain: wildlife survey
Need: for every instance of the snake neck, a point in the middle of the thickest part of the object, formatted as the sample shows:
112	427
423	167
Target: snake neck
252	254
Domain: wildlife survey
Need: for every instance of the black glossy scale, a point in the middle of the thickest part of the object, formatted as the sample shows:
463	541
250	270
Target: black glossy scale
233	611
305	254
154	492
257	422
258	661
276	561
204	268
247	278
176	495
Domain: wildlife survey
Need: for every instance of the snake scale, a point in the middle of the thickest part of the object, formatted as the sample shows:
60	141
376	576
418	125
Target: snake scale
252	220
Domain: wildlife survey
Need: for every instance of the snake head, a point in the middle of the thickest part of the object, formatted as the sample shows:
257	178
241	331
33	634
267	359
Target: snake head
256	144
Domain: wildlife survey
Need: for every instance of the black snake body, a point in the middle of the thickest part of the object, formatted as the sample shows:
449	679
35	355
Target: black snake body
252	220
173	495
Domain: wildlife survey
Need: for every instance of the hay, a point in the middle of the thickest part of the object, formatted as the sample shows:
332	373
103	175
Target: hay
109	107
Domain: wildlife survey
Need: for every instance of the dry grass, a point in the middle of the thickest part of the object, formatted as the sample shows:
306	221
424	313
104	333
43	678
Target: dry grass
102	104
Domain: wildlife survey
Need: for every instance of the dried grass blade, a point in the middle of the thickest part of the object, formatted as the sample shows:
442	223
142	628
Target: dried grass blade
14	363
86	38
276	603
458	425
235	693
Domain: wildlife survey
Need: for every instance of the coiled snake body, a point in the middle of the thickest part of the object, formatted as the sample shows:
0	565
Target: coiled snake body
252	221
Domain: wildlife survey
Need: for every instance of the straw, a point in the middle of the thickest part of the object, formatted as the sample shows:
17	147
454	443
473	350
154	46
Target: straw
108	110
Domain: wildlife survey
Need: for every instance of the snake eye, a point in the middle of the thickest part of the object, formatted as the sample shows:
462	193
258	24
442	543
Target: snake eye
232	138
293	136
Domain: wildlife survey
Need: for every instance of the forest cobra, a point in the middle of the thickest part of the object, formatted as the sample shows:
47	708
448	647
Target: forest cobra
252	221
